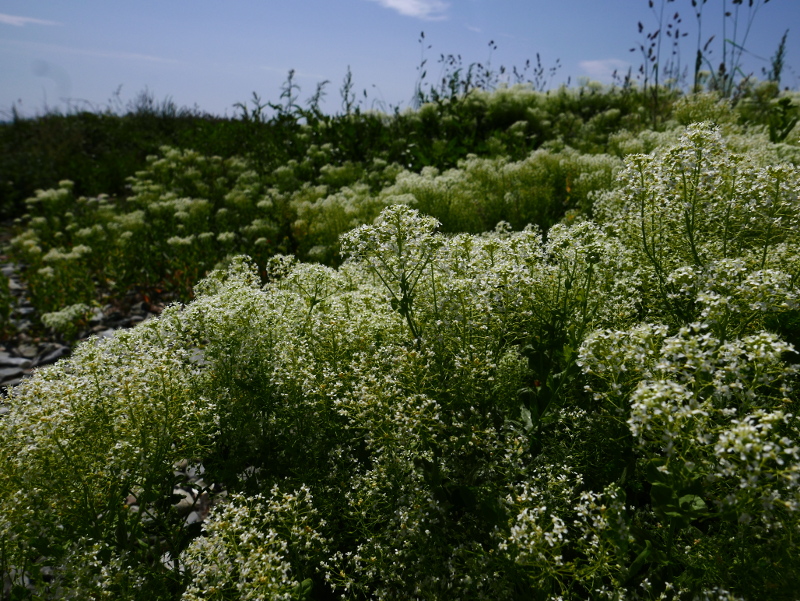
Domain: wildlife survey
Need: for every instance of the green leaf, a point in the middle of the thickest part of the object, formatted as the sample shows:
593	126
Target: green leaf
303	589
692	503
663	495
639	562
527	422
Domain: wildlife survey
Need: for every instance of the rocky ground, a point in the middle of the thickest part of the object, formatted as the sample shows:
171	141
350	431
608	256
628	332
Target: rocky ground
29	345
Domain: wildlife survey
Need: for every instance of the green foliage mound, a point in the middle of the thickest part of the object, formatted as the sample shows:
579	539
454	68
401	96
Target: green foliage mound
188	212
294	182
100	151
604	412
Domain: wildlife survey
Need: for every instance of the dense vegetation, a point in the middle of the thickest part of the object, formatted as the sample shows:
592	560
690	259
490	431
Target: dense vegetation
510	345
99	151
515	155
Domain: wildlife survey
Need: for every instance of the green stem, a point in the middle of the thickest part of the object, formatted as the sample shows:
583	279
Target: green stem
690	215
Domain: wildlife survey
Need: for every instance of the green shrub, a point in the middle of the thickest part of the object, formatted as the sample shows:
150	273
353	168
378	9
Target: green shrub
68	320
714	231
81	437
599	409
481	193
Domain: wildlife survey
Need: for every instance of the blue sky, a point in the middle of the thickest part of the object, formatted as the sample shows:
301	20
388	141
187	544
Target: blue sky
215	53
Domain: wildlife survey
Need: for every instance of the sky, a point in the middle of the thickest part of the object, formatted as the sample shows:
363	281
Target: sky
212	54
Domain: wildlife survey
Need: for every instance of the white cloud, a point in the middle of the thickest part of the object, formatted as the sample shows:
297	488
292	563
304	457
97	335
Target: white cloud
45	47
428	10
603	70
21	21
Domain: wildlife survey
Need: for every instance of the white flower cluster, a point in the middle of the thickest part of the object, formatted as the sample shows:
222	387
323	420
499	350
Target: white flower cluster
256	548
65	319
701	207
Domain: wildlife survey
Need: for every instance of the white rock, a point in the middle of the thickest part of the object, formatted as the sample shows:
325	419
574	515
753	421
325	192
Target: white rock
185	504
